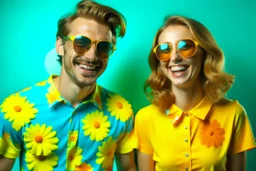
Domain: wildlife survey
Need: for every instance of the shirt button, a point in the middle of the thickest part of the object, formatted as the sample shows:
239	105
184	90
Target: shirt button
186	140
186	168
186	154
185	127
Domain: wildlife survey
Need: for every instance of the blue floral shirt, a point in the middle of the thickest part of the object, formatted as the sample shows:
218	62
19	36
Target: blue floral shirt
48	133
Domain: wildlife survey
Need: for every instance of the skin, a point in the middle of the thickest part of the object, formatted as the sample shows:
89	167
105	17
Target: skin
186	85
75	82
81	81
187	88
6	164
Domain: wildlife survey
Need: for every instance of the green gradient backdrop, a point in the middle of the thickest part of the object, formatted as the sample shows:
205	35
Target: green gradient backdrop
28	28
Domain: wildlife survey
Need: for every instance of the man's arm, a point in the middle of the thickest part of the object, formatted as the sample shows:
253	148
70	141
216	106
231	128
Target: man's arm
236	162
125	162
145	162
6	164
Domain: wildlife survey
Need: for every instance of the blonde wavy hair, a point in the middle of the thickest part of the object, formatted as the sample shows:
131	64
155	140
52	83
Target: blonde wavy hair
91	9
215	81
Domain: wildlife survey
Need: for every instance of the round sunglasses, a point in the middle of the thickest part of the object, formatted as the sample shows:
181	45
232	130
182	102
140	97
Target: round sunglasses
82	44
186	48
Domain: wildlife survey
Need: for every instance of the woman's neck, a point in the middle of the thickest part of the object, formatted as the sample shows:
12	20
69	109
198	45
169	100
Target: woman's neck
186	99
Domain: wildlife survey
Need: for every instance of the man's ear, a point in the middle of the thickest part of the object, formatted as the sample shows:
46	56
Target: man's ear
59	46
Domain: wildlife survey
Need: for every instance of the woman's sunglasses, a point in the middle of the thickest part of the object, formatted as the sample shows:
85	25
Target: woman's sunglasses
186	48
82	44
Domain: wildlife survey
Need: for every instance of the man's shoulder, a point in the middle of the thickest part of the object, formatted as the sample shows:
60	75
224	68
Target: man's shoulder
29	91
106	92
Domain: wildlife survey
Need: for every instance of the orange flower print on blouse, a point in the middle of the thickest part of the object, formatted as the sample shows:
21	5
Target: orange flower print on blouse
212	134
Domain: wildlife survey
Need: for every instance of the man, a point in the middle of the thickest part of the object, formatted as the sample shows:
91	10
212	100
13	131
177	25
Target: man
68	122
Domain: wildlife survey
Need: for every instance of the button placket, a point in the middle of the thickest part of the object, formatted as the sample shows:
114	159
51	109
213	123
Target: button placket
187	139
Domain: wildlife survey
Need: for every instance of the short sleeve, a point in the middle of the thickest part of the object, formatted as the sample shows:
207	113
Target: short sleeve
141	133
9	137
124	145
242	138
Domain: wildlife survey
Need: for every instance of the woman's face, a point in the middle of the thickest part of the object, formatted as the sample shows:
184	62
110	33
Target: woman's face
182	72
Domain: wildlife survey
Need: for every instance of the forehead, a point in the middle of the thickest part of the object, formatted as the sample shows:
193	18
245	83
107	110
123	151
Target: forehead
174	33
91	28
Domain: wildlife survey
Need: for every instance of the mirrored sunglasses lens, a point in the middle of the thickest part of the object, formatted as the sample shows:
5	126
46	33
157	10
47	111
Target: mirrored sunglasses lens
163	52
105	49
186	48
81	44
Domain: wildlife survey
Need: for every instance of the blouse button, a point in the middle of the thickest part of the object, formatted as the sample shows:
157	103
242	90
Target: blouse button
186	154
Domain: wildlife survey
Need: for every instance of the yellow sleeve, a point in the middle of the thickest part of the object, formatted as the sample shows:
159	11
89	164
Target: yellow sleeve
141	133
242	138
8	137
124	145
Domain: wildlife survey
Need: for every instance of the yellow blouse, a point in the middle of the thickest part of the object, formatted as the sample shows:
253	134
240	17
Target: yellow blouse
199	139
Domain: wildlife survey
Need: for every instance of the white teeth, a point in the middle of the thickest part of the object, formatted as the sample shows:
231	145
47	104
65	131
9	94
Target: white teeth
178	68
87	66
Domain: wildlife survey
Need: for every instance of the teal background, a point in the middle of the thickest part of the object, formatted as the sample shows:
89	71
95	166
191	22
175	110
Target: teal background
28	28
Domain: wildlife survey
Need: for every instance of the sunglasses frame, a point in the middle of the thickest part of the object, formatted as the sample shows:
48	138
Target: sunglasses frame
72	38
176	44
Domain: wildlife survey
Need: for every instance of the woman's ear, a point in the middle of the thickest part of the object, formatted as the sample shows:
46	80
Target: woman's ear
59	46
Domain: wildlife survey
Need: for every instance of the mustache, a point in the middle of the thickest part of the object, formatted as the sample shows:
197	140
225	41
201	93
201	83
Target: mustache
94	61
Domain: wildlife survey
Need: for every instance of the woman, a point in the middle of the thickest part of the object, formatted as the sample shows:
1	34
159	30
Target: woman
190	125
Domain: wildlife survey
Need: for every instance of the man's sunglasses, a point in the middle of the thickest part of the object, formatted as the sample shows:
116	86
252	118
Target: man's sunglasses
82	44
186	48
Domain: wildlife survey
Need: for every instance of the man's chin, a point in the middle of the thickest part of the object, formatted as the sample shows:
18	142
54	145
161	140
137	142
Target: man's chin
86	83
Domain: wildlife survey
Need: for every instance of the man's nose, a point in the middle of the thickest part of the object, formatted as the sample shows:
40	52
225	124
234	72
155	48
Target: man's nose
92	52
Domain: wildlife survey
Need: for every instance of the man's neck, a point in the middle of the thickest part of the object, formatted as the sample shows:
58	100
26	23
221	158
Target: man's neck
72	92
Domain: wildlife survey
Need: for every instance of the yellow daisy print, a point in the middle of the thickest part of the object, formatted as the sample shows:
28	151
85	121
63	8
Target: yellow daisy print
40	139
26	89
41	163
18	110
74	158
73	135
96	125
42	83
119	107
53	95
106	153
84	167
10	147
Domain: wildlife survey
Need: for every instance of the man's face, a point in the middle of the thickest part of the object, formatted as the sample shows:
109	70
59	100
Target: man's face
83	70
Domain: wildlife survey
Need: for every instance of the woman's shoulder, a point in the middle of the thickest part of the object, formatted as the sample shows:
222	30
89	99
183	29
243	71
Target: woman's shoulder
230	105
148	112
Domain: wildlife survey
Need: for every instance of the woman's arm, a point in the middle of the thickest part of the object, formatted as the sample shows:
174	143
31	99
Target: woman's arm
6	164
145	162
236	162
125	162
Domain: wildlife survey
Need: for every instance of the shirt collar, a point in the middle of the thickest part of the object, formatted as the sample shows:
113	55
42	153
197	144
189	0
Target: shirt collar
94	97
200	111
